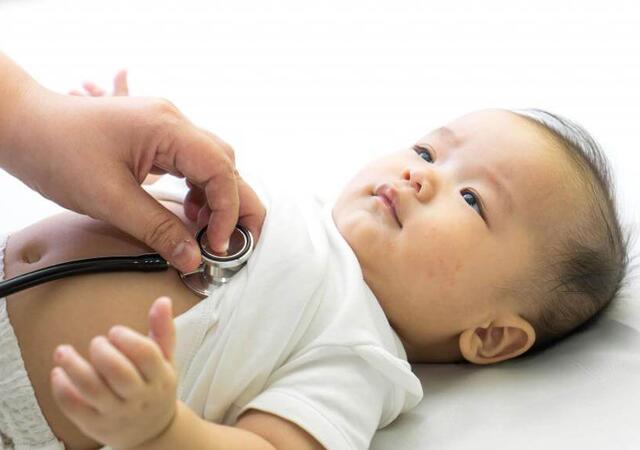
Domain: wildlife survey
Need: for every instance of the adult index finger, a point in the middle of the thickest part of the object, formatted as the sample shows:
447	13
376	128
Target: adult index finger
205	161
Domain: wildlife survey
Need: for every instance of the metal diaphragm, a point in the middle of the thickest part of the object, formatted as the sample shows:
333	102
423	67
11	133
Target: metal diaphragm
217	269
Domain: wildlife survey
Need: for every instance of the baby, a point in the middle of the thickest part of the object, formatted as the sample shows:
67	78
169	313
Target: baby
491	237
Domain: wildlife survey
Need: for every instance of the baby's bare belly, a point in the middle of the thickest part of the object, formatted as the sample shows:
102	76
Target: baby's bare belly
74	310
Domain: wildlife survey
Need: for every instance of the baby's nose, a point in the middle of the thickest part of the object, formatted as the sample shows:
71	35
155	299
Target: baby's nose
423	180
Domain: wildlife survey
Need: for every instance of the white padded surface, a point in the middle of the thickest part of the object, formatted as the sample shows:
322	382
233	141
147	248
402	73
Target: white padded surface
307	92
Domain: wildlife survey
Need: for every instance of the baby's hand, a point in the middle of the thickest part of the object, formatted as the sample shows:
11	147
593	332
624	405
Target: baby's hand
126	395
119	87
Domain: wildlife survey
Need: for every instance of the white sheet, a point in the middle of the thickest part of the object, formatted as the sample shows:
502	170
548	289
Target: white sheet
583	394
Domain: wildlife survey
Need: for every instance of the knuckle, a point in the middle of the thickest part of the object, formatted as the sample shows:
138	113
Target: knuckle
163	115
224	146
137	349
87	386
159	234
146	352
229	151
164	106
229	170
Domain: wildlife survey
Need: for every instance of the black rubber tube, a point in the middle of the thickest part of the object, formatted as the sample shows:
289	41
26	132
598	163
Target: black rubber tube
149	262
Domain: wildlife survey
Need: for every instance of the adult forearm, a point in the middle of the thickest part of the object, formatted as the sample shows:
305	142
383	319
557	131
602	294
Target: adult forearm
16	87
33	122
188	431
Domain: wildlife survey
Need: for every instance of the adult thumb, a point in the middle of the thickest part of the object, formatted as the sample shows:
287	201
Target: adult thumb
143	217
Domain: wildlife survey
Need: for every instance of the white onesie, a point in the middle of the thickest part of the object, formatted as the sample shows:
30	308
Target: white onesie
297	332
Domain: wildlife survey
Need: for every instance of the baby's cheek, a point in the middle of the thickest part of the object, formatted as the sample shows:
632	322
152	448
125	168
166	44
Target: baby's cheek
438	253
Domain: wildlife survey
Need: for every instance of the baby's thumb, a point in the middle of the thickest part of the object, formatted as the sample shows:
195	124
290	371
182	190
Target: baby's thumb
161	328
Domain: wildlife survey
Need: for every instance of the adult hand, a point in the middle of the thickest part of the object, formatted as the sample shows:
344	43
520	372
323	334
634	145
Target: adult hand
90	155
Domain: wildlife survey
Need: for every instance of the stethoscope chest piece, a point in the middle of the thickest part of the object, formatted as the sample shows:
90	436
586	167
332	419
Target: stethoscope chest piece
217	269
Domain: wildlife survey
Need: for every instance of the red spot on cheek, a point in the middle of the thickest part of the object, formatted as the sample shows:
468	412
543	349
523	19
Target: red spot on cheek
457	268
429	272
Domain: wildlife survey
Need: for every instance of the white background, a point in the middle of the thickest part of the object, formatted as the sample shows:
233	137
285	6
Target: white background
307	92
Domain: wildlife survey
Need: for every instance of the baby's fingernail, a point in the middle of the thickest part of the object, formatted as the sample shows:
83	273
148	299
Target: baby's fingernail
60	352
117	331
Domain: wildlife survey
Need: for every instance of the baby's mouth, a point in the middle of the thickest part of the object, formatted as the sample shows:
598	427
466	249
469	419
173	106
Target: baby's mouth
388	196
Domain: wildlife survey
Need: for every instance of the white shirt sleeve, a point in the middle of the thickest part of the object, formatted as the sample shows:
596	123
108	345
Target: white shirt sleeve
331	393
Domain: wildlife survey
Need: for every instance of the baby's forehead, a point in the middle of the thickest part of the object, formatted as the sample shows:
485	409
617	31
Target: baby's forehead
501	131
528	160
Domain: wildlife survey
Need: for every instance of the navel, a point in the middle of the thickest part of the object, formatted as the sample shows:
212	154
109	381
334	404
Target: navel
31	253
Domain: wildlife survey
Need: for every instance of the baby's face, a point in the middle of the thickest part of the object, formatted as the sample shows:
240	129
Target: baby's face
436	266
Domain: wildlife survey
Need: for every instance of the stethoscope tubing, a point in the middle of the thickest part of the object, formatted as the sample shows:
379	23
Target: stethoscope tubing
215	270
148	262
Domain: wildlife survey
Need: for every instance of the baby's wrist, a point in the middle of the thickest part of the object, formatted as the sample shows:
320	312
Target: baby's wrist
159	440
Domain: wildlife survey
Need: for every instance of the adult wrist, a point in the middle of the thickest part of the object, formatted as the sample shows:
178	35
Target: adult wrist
23	133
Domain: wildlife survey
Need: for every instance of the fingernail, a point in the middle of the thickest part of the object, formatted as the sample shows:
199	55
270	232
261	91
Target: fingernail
184	253
59	353
222	250
117	331
159	300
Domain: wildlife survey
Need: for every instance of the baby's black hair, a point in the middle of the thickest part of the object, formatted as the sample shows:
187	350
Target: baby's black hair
580	273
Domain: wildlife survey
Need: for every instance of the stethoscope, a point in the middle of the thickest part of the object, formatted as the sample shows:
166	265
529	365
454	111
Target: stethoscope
214	271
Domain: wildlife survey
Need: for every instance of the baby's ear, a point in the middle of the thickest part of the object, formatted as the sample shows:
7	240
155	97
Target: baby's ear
497	340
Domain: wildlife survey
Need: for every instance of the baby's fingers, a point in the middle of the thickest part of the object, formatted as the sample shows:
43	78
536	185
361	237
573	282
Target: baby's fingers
80	381
161	327
69	399
117	370
120	86
142	351
93	89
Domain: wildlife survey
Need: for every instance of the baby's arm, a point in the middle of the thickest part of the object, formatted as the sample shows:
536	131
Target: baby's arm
255	430
126	396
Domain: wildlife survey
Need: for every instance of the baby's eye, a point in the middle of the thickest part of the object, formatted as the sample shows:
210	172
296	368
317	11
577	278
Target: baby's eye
420	150
472	199
469	196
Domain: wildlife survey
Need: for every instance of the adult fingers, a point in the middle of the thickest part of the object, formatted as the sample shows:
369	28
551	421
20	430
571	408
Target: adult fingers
252	211
203	216
224	202
193	201
143	217
205	162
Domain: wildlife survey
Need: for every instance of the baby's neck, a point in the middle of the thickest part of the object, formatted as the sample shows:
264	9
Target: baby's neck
444	351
